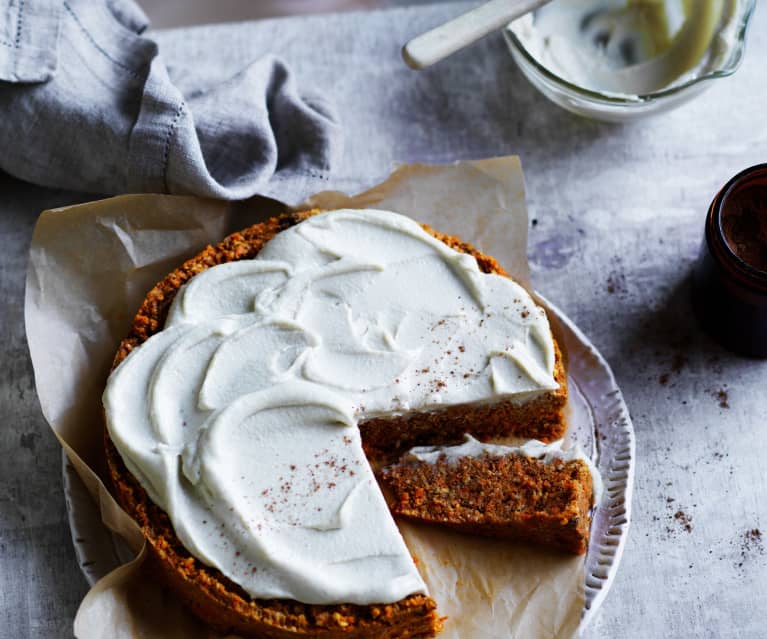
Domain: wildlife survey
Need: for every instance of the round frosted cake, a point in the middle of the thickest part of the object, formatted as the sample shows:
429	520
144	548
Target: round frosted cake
266	381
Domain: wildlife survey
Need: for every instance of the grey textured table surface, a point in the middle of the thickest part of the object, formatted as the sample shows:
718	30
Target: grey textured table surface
616	221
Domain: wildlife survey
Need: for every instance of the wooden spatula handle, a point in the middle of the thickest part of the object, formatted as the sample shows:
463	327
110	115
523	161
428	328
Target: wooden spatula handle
434	45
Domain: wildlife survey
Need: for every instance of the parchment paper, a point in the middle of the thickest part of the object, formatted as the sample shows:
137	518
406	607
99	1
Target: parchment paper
90	267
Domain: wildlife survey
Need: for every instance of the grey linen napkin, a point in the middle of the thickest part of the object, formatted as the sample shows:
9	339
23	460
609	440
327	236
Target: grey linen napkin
86	103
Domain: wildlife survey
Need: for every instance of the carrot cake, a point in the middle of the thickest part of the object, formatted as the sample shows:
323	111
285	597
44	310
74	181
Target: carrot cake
535	492
261	376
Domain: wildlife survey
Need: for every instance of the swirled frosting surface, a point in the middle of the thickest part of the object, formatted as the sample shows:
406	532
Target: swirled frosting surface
240	417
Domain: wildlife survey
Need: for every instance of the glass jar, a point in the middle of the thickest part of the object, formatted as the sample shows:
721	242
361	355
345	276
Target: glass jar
730	276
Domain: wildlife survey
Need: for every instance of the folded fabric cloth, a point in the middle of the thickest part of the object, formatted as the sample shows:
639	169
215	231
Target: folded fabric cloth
88	104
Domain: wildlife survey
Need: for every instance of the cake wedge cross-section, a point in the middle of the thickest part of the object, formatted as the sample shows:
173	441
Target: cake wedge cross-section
535	492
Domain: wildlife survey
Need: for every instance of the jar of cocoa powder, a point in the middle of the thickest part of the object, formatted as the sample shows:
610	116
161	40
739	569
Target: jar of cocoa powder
730	277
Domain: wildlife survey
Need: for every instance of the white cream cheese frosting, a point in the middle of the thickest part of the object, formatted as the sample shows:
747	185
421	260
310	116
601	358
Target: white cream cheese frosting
629	48
534	449
240	417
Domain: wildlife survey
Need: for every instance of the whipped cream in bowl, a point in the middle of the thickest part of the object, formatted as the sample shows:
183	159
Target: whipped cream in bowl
619	59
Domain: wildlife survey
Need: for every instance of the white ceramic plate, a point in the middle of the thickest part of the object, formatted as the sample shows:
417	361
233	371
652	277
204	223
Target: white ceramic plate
599	422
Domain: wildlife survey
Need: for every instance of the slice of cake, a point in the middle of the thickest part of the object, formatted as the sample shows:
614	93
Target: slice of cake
536	492
261	377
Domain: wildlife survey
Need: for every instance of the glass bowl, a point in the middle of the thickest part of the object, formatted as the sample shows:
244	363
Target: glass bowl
724	59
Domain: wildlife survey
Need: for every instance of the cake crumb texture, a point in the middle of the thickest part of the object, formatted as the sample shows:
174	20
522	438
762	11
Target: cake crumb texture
513	496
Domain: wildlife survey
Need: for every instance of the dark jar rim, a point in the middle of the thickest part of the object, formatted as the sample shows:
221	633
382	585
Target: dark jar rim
720	249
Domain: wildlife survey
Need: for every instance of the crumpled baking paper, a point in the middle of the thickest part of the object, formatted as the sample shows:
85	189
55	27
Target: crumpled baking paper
90	267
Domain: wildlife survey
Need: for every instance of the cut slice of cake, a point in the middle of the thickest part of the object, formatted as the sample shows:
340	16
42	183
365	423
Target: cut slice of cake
535	493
